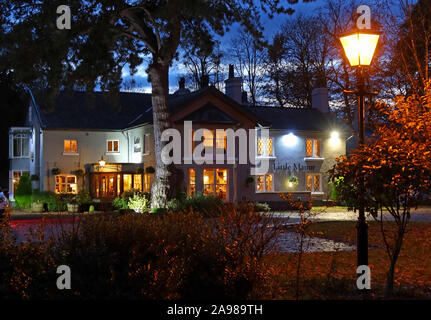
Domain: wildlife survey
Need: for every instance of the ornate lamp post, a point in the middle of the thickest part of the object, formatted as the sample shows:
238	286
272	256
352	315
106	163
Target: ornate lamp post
359	47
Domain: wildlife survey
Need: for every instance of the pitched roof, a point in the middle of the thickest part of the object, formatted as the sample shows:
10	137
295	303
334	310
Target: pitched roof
302	119
74	110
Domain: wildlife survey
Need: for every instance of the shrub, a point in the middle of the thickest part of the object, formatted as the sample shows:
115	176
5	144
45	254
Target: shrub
138	203
173	256
120	203
23	192
83	196
207	205
261	207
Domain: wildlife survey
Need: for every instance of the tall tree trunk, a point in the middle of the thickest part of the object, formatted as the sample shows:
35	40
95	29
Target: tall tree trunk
391	271
160	92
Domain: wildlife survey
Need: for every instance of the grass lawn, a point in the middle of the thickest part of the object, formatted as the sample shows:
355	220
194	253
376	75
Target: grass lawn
332	275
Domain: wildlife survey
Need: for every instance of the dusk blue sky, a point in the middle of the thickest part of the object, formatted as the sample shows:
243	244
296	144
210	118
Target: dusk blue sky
271	26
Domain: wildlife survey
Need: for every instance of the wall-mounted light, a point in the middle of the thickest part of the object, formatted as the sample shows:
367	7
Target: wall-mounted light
102	162
289	140
335	138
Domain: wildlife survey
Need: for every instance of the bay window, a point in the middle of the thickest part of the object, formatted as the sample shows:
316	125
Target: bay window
20	146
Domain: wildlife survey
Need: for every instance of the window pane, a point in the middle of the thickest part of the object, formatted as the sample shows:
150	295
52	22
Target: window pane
268	182
71	179
221	139
118	184
317	148
192	182
269	146
208	138
260	183
259	146
127	182
66	145
309	148
116	146
17	147
109	146
221	191
137	182
221	176
208	176
317	182
308	182
24	142
73	146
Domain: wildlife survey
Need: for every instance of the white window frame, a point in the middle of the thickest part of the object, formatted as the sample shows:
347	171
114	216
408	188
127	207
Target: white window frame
107	144
265	153
313	191
66	183
73	153
264	183
20	136
313	147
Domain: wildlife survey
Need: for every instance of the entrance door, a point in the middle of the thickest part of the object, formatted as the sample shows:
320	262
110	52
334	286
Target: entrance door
109	187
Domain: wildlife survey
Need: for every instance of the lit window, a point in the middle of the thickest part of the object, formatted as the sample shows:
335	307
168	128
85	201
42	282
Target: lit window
147	182
208	138
221	139
265	182
65	184
20	146
137	182
15	178
192	182
312	148
70	146
215	182
312	182
113	146
127	182
264	147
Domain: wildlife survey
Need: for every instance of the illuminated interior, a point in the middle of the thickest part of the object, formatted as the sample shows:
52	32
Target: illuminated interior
215	182
65	184
127	182
70	146
192	182
137	182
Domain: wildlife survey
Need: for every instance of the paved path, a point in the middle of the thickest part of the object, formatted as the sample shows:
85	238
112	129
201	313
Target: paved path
419	215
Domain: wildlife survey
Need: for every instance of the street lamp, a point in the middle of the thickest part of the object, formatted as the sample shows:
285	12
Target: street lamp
359	47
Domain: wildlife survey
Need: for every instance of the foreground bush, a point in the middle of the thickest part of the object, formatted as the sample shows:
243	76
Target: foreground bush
168	256
208	205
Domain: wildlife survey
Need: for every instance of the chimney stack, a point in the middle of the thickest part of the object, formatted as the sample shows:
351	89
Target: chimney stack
205	81
319	99
181	87
233	86
182	83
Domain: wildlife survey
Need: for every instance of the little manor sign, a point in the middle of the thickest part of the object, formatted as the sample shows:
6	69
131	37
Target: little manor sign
294	167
